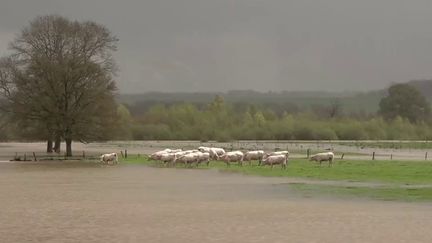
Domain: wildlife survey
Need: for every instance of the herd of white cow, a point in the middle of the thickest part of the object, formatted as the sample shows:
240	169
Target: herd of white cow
207	154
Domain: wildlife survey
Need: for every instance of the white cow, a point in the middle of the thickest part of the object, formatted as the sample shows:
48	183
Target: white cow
168	158
157	155
187	158
254	155
215	153
277	153
218	152
326	156
204	149
284	152
233	156
191	151
276	160
203	157
106	158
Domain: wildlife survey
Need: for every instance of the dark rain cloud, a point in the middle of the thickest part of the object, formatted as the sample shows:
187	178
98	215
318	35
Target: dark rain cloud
218	45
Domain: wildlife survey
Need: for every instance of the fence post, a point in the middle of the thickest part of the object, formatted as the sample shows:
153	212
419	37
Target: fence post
373	156
25	157
121	151
426	155
342	156
308	153
125	153
391	156
34	156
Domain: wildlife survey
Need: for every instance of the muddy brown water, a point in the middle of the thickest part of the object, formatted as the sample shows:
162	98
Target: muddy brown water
76	202
298	149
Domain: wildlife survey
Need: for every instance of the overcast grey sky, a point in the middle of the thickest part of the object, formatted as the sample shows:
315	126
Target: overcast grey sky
219	45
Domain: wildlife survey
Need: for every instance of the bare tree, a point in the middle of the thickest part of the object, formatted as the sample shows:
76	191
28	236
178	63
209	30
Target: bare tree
60	74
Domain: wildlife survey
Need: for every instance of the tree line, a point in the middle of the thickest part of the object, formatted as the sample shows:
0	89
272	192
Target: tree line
58	85
223	122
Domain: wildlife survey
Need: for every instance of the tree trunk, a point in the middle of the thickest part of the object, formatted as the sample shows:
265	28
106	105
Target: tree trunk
49	146
68	147
57	145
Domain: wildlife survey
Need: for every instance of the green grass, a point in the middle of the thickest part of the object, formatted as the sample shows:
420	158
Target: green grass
391	177
401	172
379	193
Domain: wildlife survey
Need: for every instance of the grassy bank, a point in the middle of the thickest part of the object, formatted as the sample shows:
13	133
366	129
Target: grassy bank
399	172
393	175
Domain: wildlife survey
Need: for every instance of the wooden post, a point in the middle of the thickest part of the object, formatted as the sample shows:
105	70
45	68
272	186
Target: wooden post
308	153
25	156
373	156
342	156
126	153
426	155
121	151
391	156
34	156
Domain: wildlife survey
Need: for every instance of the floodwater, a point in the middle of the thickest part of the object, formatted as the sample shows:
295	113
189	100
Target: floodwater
72	202
297	149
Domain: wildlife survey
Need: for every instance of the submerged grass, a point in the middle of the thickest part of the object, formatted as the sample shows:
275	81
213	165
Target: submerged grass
395	175
379	193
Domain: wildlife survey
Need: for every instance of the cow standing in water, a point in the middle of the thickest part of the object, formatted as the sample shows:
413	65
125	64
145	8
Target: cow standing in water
106	158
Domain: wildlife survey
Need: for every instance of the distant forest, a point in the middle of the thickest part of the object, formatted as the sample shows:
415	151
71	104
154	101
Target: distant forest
354	103
250	115
274	115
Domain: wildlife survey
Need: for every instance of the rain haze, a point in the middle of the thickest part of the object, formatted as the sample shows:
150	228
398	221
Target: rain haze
207	45
233	121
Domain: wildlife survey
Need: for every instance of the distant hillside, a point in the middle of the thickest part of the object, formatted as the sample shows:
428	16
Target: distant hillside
350	101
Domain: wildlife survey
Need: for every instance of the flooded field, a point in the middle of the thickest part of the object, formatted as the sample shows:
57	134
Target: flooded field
298	149
76	202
